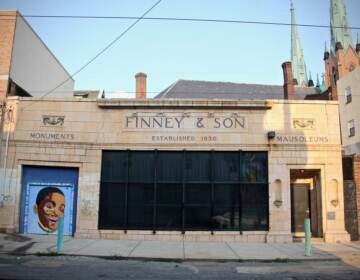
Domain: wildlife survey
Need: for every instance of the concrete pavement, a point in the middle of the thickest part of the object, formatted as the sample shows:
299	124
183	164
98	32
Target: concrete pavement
177	250
86	268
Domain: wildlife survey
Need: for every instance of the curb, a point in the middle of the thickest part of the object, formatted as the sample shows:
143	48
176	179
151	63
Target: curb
177	260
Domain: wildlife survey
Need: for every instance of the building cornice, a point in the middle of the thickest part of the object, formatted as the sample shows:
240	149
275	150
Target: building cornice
184	104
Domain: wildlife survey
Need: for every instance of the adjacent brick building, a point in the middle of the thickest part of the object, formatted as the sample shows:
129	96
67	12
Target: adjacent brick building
27	66
342	79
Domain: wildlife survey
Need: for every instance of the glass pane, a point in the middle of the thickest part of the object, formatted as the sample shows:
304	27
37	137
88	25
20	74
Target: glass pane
115	194
197	194
226	166
226	194
141	166
141	193
197	166
197	218
169	193
348	168
254	167
225	218
114	167
170	166
112	218
112	205
169	217
169	196
254	207
140	216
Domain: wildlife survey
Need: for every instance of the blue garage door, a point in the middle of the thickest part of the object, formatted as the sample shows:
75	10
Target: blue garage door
47	194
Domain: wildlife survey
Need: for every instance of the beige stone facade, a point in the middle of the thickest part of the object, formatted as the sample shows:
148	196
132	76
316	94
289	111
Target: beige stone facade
74	132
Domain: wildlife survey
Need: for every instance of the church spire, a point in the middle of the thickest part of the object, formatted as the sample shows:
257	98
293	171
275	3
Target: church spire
338	18
297	56
317	81
323	86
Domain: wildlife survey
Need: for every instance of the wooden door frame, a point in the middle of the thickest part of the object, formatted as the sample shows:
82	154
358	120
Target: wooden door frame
316	209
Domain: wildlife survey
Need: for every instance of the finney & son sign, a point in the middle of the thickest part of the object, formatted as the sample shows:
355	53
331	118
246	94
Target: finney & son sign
184	121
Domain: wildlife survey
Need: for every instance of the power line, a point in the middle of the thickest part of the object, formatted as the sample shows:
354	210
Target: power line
209	20
103	50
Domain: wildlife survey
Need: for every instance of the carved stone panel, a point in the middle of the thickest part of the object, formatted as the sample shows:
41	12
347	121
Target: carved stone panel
303	123
49	120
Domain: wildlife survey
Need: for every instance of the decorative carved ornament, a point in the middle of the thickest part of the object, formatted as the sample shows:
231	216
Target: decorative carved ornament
334	202
304	123
277	203
53	120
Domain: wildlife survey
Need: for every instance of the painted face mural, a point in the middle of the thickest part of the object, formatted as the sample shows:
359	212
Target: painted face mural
50	206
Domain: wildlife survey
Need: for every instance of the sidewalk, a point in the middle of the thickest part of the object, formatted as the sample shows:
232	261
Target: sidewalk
171	250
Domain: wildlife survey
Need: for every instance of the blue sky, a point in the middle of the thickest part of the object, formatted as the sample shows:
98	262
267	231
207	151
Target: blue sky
168	51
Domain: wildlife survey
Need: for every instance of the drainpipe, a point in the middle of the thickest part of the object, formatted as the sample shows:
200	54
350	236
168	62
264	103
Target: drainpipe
2	116
5	157
9	111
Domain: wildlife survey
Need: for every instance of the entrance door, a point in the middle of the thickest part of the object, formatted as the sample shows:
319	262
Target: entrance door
300	203
47	194
306	194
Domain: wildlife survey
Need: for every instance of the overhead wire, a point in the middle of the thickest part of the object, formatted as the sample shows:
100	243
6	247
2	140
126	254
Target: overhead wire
143	17
101	51
211	20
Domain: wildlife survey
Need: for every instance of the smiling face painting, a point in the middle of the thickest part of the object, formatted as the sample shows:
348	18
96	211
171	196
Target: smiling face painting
50	206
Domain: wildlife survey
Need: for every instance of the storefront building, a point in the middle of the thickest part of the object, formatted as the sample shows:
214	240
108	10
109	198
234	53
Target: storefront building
203	161
173	169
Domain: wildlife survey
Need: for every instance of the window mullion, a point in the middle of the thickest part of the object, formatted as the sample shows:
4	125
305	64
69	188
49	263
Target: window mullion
183	192
155	189
240	189
126	189
212	187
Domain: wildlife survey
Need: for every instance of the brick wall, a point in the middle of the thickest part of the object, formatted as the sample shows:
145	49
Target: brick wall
349	60
344	62
357	183
350	209
7	31
3	89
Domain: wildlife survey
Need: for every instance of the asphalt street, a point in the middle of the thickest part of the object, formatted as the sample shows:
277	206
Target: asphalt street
70	267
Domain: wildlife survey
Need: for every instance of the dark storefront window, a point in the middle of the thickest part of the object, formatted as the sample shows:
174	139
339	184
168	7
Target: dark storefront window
163	190
348	169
